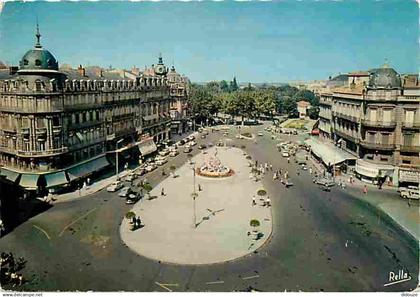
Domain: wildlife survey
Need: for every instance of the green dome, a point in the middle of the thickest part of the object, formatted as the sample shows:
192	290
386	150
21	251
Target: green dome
38	59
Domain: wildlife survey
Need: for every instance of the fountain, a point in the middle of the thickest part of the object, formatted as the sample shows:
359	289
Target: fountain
212	167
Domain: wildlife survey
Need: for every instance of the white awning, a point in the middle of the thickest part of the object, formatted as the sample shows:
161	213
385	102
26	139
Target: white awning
147	146
328	153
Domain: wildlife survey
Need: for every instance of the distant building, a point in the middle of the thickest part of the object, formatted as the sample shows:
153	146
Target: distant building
376	117
302	108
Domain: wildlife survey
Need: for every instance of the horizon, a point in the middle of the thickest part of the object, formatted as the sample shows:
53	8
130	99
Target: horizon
257	42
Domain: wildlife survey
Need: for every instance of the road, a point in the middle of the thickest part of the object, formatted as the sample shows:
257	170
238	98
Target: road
322	241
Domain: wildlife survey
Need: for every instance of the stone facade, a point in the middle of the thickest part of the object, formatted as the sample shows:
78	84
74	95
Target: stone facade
52	120
377	118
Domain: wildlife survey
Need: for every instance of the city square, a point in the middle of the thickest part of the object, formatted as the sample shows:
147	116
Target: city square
151	180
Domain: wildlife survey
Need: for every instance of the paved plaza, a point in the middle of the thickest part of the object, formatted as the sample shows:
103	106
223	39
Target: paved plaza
223	213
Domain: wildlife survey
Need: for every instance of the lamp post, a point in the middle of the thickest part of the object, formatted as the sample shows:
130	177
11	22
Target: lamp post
116	156
194	195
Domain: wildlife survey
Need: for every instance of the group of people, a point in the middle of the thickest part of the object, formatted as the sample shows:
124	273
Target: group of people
267	201
135	222
9	268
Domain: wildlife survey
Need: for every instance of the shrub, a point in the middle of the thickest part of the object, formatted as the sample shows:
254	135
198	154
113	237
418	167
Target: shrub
172	167
247	134
189	155
130	215
261	193
254	223
243	146
147	187
248	157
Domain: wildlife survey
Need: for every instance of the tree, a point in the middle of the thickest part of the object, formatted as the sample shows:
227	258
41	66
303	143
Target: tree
307	95
224	87
313	112
233	85
265	101
290	107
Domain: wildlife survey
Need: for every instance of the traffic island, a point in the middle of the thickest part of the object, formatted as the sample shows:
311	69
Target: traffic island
200	219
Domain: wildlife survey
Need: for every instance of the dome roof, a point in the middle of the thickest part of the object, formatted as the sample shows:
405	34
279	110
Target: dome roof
38	58
384	77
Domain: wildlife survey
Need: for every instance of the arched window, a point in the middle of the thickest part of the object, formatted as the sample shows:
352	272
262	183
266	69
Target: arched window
25	62
37	62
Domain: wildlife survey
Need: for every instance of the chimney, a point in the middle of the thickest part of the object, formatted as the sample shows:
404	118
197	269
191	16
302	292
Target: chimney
13	70
81	70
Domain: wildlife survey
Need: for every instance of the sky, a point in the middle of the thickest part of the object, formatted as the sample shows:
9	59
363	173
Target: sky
255	41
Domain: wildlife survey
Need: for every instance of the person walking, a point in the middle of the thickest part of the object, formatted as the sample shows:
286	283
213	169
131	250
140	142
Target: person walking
268	201
253	201
365	189
162	192
199	188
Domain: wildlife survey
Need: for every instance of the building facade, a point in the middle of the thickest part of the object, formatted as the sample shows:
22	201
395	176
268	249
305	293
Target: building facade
60	125
376	117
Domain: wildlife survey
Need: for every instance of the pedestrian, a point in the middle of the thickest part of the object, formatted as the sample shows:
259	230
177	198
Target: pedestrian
138	222
365	189
288	160
274	176
199	188
268	202
310	170
271	167
162	192
253	201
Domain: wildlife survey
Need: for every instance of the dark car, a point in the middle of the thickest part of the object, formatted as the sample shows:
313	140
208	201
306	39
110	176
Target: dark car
133	198
182	142
202	146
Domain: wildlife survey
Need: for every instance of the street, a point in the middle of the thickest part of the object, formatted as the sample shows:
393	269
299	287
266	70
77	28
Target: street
321	241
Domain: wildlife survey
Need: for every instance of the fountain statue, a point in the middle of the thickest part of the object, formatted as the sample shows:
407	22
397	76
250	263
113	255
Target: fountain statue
212	167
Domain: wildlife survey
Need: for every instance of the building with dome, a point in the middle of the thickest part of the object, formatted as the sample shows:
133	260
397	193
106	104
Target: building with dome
376	117
59	126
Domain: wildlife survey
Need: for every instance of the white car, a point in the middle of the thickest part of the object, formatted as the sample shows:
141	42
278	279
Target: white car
192	143
115	186
260	133
173	153
130	177
161	161
410	194
285	154
150	167
187	149
164	152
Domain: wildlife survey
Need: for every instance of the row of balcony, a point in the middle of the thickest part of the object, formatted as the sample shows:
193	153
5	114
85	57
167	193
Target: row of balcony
34	153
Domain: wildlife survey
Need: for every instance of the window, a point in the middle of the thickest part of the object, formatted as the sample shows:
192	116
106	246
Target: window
56	121
384	159
408	139
406	161
25	62
37	62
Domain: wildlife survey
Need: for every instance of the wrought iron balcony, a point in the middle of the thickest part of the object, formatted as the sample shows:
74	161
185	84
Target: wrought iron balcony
410	148
379	124
377	146
43	153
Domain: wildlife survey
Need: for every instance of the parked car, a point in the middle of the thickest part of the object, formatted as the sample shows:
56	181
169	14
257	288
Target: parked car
150	167
210	144
192	143
124	192
173	153
260	133
161	161
115	186
285	154
191	137
287	182
164	152
187	149
130	177
132	198
410	194
203	136
324	182
225	133
181	142
201	146
400	189
141	171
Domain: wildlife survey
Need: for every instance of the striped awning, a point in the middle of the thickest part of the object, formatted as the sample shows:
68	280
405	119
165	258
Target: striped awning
56	179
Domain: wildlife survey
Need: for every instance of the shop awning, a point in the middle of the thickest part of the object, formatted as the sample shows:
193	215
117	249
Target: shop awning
9	175
56	179
329	154
147	146
29	181
371	169
86	168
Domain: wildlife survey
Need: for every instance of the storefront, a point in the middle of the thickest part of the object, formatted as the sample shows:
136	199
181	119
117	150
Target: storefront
371	172
408	177
147	146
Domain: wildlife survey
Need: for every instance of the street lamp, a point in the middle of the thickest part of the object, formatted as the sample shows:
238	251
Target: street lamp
194	195
116	156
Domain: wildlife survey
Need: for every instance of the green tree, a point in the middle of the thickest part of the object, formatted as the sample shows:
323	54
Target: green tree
223	85
233	85
265	102
313	112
